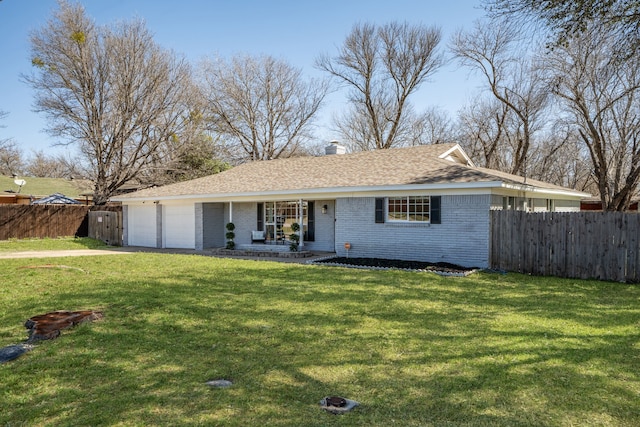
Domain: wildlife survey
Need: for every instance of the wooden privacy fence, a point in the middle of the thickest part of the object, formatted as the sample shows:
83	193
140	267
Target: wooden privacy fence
40	221
598	245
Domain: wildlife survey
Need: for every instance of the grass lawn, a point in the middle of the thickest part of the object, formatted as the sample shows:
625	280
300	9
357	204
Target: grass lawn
47	186
415	349
64	243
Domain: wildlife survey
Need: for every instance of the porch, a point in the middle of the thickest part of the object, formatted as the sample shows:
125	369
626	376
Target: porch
266	226
265	247
263	251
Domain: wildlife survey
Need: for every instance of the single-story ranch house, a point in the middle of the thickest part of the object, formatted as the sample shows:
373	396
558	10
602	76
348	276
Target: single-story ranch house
427	203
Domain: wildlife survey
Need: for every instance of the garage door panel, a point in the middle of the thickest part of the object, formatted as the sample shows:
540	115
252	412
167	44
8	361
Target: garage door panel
179	226
142	226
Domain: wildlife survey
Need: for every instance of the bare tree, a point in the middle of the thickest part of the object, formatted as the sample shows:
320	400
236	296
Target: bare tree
382	67
433	126
42	165
601	94
10	155
192	158
560	158
190	154
565	19
261	106
482	125
110	90
11	161
512	78
486	126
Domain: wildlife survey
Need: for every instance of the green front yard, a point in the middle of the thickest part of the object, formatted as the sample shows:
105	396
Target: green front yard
415	349
64	243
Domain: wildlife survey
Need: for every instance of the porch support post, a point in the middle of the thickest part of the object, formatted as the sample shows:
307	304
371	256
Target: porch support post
199	229
230	211
300	219
159	224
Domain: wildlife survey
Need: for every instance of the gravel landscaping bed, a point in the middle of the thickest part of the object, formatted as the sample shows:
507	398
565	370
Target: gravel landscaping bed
440	267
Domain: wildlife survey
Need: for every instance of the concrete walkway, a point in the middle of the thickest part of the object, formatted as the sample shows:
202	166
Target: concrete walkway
60	253
135	249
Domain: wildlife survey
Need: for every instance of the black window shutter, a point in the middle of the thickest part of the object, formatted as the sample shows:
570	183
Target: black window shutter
435	210
260	217
379	210
310	233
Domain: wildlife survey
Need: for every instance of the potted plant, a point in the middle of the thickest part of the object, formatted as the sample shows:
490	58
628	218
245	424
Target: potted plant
230	235
294	237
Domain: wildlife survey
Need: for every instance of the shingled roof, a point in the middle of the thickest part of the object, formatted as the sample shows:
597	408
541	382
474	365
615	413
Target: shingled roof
425	165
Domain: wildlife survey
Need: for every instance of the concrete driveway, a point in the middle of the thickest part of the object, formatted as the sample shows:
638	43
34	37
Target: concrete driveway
135	249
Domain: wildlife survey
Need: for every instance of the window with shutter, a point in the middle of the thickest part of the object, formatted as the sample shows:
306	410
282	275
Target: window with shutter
411	209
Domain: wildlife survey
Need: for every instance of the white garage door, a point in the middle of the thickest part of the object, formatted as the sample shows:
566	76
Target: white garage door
178	226
141	221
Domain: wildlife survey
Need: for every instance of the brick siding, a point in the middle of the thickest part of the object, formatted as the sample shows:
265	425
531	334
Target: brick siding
462	238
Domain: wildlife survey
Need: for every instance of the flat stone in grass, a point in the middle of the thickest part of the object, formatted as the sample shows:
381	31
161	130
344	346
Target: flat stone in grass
338	405
219	383
11	352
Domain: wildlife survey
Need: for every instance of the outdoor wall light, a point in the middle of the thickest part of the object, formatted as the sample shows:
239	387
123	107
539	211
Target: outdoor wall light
324	209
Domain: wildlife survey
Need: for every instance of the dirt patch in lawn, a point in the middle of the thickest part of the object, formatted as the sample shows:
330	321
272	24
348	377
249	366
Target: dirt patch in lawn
381	263
48	326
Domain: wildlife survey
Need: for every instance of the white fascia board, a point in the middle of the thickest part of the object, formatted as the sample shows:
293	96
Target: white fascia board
368	191
327	193
547	191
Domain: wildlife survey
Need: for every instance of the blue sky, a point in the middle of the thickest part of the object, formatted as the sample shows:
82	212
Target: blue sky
295	30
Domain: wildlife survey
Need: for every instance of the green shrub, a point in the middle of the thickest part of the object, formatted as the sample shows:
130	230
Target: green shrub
294	237
230	235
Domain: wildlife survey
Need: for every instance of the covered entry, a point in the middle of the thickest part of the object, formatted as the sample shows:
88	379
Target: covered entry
276	219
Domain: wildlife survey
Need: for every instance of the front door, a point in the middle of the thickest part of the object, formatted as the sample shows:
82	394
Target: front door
274	222
279	216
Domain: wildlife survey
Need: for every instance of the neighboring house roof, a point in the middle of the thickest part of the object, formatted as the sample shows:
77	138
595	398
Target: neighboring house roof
56	199
438	166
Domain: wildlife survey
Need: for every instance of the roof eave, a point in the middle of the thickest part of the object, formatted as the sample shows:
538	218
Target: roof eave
332	192
346	191
550	191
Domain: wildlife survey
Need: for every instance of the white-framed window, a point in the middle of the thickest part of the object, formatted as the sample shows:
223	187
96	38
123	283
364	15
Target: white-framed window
409	209
276	219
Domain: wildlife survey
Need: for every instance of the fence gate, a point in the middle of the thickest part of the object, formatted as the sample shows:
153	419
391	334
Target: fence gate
106	226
